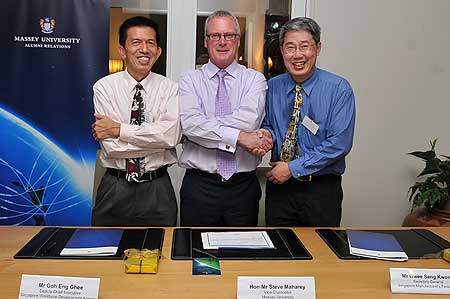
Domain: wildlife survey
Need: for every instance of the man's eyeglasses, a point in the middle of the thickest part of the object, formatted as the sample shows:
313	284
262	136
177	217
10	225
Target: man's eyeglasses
226	36
290	49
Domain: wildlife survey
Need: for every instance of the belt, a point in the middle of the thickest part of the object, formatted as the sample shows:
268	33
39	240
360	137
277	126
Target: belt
146	177
218	177
310	178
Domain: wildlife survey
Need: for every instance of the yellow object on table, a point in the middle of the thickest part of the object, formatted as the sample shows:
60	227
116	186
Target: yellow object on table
141	261
446	254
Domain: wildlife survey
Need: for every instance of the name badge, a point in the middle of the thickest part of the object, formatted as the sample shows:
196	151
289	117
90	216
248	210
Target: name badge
257	287
310	124
420	281
42	286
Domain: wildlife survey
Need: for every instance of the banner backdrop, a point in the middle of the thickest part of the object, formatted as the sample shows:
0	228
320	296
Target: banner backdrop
53	51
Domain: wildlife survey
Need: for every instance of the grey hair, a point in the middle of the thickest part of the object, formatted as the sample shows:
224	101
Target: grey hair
223	13
301	23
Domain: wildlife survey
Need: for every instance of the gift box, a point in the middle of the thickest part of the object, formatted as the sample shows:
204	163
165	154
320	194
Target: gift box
141	261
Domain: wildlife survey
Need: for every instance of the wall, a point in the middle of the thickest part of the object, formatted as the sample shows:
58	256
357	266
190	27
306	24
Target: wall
395	54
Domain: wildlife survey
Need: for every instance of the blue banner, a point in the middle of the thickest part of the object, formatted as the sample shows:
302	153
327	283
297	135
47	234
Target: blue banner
53	51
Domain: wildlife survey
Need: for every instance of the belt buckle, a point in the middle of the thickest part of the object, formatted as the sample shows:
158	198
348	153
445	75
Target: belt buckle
307	178
151	175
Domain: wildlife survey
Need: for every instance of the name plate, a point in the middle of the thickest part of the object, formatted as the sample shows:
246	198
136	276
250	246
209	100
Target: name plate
265	287
420	281
41	286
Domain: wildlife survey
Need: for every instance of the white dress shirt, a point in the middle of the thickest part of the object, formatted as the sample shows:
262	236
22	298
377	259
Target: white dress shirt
156	138
205	132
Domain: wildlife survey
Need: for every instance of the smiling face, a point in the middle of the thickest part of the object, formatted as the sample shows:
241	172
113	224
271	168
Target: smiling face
300	53
222	52
140	52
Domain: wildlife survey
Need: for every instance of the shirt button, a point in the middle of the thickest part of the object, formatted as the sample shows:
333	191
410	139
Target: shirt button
227	146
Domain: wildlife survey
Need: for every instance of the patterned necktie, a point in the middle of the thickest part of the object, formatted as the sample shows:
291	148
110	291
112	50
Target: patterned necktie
226	162
290	143
135	166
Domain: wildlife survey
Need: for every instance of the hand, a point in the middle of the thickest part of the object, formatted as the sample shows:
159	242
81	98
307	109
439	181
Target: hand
280	172
262	134
258	142
104	127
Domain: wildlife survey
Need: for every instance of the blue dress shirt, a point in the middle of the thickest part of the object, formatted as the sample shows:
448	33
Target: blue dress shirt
328	100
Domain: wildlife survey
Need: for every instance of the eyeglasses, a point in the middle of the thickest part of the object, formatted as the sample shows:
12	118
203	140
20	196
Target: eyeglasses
226	36
291	49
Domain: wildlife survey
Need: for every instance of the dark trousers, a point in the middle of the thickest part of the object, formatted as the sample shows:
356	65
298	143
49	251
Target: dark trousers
207	201
120	203
303	203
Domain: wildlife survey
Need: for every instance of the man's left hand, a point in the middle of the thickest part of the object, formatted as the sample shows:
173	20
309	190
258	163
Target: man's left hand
280	172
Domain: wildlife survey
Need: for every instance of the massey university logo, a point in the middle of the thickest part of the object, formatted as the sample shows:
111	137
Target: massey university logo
47	25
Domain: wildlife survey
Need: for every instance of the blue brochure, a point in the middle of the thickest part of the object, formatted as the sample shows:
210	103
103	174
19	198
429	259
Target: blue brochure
92	242
375	245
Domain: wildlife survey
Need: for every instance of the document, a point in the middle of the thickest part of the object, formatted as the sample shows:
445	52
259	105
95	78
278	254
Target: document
375	245
237	239
93	242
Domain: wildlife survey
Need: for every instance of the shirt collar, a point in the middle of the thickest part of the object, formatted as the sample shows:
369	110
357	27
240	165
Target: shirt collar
211	69
131	82
307	85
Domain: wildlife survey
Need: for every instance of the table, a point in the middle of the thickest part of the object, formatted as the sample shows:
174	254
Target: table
334	278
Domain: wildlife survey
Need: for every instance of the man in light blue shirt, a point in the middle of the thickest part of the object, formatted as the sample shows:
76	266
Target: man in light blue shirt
310	114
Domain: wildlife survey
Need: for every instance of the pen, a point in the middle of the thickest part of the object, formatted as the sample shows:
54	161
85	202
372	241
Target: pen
205	253
47	250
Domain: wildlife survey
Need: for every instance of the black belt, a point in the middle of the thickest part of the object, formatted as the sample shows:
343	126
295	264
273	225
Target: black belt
218	177
146	177
310	178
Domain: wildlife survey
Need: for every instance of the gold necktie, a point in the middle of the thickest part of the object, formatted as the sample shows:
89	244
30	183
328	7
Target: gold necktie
290	143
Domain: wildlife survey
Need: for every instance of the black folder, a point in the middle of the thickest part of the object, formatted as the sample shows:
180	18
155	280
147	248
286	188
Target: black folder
187	244
48	243
417	243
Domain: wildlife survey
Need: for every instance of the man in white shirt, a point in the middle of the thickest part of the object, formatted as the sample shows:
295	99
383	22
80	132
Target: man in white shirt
137	126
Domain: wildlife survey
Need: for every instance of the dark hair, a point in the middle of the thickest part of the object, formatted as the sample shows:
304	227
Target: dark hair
137	22
301	23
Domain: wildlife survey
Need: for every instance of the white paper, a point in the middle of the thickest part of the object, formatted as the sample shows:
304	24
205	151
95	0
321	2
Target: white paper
42	286
263	287
236	239
95	251
420	281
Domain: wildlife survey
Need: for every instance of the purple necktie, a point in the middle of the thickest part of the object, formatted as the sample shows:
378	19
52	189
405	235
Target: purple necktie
226	162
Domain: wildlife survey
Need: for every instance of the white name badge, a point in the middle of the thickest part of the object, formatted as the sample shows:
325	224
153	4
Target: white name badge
420	281
41	286
265	287
310	124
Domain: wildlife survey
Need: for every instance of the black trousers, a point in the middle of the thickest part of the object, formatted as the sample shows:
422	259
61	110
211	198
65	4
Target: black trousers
303	203
207	201
120	203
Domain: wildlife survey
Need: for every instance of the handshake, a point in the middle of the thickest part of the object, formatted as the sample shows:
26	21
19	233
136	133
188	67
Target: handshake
258	142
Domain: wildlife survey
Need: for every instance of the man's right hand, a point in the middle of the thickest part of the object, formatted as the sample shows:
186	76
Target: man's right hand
104	127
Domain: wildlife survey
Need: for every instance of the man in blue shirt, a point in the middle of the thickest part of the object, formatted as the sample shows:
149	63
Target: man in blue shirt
310	114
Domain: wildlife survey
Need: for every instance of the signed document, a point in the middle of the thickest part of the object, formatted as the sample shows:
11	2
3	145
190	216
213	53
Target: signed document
237	239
